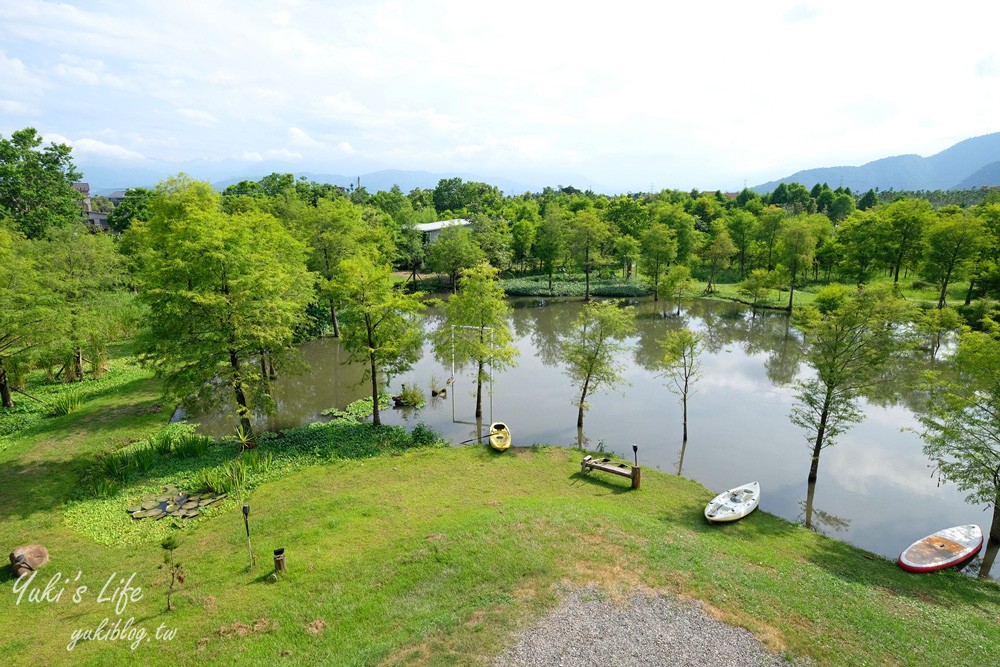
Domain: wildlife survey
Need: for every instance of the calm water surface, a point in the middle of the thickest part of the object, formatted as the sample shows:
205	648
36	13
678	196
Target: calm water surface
875	487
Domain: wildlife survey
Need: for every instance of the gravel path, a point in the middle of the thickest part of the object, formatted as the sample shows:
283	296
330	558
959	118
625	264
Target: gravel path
654	630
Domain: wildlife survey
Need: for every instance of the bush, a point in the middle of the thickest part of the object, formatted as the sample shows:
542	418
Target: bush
410	396
423	435
191	446
65	403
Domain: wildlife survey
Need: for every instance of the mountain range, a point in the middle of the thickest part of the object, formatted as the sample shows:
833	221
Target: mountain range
967	165
106	177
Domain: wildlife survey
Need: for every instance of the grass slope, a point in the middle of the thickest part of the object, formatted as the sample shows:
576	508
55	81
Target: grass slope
440	556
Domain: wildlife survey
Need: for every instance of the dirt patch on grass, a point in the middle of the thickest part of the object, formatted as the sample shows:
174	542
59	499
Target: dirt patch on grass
316	627
238	629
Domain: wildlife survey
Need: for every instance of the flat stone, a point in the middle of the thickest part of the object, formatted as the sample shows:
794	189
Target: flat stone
35	556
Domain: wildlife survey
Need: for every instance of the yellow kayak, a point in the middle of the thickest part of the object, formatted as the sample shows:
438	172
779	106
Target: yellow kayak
499	436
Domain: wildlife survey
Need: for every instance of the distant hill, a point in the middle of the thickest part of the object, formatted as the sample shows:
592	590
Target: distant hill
966	165
105	178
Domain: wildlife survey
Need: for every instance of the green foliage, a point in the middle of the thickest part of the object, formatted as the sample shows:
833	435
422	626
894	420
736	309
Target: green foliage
66	403
191	446
411	396
590	347
573	285
220	287
358	410
380	329
36	184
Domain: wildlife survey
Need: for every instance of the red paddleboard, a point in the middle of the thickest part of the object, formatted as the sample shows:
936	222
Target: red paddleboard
945	548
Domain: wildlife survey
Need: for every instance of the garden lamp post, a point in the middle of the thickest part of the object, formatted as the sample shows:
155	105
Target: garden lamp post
246	524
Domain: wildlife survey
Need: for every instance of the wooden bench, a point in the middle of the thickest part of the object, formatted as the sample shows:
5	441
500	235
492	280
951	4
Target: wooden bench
632	472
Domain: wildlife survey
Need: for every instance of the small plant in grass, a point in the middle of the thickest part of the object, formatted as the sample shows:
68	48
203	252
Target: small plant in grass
162	443
66	403
258	463
145	458
114	465
191	446
423	435
170	545
245	438
105	488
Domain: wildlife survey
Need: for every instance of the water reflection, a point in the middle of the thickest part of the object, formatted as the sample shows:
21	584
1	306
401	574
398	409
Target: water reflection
876	490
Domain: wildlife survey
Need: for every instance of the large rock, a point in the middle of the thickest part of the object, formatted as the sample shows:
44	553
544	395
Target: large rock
35	556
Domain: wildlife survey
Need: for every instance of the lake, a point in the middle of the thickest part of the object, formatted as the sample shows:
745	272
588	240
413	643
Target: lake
875	487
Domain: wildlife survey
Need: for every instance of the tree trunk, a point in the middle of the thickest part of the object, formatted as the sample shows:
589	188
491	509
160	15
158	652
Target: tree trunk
810	496
373	369
944	289
992	541
583	398
241	400
818	446
6	399
684	402
334	321
263	366
479	390
791	294
968	295
586	273
78	364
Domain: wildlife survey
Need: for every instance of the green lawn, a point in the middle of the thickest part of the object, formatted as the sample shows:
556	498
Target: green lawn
435	555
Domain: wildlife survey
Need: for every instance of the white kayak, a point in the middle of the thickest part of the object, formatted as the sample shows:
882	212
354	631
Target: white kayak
734	504
945	548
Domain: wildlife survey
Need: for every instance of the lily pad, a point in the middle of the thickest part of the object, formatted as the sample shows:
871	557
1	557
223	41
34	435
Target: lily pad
139	514
133	508
190	514
190	505
149	504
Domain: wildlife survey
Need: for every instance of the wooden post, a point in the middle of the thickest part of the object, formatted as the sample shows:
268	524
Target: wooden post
279	560
635	476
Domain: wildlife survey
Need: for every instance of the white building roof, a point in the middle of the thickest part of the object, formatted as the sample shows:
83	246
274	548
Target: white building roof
441	224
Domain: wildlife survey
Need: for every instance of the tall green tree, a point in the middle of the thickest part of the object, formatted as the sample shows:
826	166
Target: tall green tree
658	250
36	184
796	251
476	327
961	424
220	288
908	219
453	250
380	325
550	243
587	235
83	268
850	339
677	284
743	230
861	238
335	231
953	243
682	366
590	349
717	252
674	216
134	206
27	308
772	219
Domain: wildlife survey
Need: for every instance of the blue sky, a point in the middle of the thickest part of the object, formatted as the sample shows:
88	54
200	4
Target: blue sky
633	95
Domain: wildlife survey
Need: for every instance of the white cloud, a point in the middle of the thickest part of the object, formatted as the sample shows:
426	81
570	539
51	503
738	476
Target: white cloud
93	147
683	94
199	117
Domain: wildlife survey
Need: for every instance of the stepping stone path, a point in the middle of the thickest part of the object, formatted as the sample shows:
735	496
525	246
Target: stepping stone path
173	502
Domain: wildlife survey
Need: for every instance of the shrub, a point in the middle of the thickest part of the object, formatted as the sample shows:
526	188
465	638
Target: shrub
192	446
114	465
67	402
144	458
410	396
423	435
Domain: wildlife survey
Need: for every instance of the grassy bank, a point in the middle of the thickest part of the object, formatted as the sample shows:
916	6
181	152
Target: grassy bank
428	555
